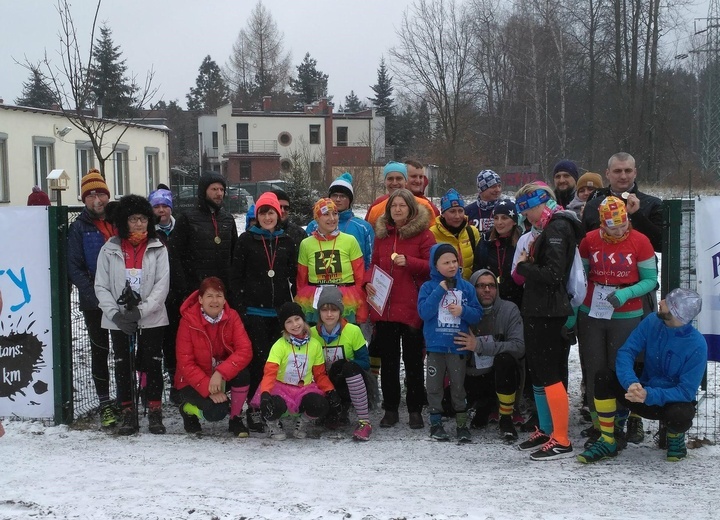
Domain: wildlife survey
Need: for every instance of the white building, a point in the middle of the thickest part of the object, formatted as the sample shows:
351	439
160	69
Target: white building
34	142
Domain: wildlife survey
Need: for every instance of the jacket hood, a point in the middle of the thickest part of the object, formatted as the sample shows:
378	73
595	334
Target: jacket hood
190	310
416	226
206	179
571	217
434	273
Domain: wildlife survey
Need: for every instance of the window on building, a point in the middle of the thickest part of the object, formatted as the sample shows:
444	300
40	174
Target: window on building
4	184
43	160
245	170
224	135
342	136
316	173
314	134
152	168
122	174
85	159
215	140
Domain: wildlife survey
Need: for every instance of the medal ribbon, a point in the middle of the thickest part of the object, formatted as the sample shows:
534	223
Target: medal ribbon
271	263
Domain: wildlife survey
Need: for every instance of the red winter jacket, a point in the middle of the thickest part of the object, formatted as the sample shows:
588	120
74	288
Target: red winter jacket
199	342
413	240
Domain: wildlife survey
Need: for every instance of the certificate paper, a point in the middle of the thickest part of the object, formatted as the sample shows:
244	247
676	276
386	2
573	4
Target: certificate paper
382	283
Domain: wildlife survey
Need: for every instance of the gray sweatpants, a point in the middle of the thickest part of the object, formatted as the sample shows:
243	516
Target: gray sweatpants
437	364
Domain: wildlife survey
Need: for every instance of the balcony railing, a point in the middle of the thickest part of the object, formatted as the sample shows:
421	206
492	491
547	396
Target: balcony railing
356	144
252	146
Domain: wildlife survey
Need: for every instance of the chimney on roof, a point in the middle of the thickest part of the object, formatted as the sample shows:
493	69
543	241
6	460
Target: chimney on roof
267	103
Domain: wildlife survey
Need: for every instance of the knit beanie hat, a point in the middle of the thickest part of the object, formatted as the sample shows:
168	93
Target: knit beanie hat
566	166
38	197
268	199
684	304
612	212
590	180
161	196
322	207
487	179
281	194
440	250
332	295
288	310
451	199
343	184
93	182
506	207
477	274
393	166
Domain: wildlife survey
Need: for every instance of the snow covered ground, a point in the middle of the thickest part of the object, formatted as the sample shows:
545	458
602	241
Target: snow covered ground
81	472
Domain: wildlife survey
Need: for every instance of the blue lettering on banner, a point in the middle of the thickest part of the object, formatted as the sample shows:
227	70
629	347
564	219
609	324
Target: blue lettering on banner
21	284
716	265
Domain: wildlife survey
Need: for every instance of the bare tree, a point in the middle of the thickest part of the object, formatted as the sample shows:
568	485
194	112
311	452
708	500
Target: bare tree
71	85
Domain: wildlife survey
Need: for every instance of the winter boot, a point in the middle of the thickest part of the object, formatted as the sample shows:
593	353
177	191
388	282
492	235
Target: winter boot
254	420
461	430
363	431
129	424
437	431
676	449
299	428
635	432
416	421
191	420
238	428
507	429
275	431
155	424
108	416
660	437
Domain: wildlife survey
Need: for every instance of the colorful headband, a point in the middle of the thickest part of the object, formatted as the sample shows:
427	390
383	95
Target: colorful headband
532	199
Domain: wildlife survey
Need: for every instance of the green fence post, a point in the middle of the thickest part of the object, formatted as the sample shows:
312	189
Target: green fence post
60	307
672	222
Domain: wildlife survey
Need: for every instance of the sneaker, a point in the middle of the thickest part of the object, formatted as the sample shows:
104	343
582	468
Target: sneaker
598	451
191	422
299	429
552	450
635	432
660	437
585	413
507	428
275	431
254	421
537	439
129	424
363	431
676	449
592	436
155	424
416	421
438	433
238	428
517	418
108	416
463	434
620	439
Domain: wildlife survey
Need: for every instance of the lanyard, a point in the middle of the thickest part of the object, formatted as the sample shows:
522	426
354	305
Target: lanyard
217	234
271	263
501	261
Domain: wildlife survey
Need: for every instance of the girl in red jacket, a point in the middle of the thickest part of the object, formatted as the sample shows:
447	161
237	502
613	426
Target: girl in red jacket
213	351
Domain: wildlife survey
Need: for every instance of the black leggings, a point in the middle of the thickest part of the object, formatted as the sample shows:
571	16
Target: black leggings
263	332
148	351
211	410
547	351
99	352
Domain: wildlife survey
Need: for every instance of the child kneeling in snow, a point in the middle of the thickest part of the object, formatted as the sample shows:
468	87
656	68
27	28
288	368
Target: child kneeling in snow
294	382
448	305
347	361
213	350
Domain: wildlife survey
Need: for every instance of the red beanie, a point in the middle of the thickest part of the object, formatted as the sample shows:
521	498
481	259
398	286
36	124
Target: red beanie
38	197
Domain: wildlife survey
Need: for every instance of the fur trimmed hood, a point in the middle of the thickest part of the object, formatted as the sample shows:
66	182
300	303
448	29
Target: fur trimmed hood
416	226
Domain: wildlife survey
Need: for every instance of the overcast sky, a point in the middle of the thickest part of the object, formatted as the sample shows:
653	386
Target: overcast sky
347	38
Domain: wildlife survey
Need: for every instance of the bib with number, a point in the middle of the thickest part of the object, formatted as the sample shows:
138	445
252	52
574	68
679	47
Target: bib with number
445	317
600	308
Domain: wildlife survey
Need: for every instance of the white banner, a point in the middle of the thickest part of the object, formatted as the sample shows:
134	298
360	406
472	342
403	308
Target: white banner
26	354
707	249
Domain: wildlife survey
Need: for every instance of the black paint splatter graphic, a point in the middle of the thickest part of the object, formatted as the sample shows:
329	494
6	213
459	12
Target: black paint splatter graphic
20	358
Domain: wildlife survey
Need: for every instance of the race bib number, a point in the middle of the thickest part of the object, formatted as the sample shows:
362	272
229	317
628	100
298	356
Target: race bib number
600	308
333	354
445	318
296	369
134	276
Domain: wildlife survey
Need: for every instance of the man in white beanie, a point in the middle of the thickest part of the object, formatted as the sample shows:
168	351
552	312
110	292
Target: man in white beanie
675	362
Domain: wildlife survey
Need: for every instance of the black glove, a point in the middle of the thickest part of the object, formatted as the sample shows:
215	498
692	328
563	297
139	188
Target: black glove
128	327
334	399
267	406
132	315
613	300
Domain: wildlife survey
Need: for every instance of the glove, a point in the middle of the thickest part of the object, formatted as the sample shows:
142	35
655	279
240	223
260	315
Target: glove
613	300
132	315
334	399
127	327
267	406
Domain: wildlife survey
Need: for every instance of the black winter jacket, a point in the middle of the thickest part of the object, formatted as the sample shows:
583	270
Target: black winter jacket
546	275
488	255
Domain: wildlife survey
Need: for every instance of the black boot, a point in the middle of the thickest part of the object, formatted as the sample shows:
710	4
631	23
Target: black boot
254	421
237	428
128	426
155	424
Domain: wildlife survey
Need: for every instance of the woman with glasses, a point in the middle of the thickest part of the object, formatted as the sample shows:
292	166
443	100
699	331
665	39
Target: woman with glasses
131	284
402	250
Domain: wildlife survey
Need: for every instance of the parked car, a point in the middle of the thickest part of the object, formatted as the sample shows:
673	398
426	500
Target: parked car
238	200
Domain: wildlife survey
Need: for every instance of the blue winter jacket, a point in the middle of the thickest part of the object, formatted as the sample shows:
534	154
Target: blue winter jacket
357	227
675	361
84	244
440	337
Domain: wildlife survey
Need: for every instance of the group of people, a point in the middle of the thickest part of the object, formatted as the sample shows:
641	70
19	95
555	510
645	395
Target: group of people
476	300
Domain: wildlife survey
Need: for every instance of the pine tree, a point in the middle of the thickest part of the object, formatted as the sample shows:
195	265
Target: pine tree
110	87
353	103
383	89
36	92
311	83
210	91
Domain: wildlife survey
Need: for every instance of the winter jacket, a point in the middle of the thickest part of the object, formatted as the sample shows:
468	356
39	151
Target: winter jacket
377	208
648	220
357	227
503	323
564	198
178	285
350	339
154	285
497	256
200	255
439	336
480	217
84	243
249	281
203	347
675	361
465	242
413	240
547	271
296	233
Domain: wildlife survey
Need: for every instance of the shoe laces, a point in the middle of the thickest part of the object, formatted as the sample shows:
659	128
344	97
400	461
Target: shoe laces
549	445
536	434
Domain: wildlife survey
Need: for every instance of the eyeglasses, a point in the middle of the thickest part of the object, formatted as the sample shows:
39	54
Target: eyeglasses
485	286
135	220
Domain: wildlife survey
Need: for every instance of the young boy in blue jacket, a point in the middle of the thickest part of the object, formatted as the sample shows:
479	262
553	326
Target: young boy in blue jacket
448	305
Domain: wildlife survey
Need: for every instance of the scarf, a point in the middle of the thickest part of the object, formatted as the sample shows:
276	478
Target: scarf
137	238
210	319
331	336
166	228
299	341
455	231
611	239
486	205
107	229
264	232
326	237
